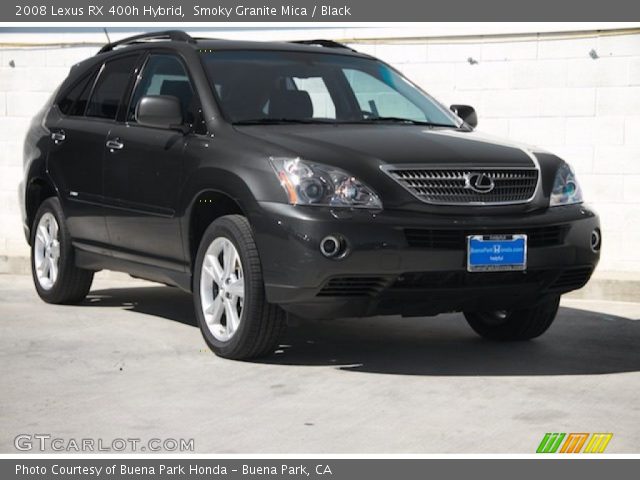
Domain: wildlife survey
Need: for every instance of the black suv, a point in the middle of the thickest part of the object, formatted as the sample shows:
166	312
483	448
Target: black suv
302	178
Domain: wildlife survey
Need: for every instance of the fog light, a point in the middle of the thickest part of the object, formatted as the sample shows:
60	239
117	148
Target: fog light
596	240
333	246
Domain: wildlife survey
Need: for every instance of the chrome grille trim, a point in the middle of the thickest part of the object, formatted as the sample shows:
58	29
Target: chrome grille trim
445	185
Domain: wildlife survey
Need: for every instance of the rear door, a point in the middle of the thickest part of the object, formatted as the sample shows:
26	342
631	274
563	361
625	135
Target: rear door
144	170
79	129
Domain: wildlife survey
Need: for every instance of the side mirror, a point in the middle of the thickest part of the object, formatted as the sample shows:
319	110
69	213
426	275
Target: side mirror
160	111
466	113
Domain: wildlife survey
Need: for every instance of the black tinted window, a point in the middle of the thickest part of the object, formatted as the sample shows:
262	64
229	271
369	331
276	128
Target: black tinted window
253	86
75	100
109	90
81	103
165	75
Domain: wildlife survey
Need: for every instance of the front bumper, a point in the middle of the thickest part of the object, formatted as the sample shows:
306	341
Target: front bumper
413	263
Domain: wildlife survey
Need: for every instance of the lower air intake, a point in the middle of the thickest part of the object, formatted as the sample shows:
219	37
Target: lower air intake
572	279
354	287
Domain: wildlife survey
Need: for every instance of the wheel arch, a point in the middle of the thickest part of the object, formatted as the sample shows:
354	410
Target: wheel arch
207	205
213	191
37	190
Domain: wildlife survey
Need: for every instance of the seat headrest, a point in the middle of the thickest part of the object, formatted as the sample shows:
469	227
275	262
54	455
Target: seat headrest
181	89
294	104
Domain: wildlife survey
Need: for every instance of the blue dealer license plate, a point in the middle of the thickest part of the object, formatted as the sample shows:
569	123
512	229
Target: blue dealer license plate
486	253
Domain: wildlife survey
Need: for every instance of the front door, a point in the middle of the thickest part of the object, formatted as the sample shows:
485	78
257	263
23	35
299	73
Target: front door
143	172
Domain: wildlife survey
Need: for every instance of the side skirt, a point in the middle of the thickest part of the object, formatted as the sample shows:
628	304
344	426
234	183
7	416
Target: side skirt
94	260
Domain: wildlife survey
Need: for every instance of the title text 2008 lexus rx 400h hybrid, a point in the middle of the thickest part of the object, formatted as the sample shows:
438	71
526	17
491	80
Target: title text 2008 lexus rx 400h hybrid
302	178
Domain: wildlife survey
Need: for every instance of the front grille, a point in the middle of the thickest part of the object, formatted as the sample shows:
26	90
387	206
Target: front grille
451	186
572	279
443	239
354	287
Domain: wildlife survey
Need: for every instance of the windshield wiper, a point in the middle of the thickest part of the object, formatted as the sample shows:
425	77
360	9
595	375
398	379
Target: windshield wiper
275	121
310	121
403	120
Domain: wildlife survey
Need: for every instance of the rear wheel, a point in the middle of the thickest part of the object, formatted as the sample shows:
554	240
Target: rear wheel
234	317
513	325
55	275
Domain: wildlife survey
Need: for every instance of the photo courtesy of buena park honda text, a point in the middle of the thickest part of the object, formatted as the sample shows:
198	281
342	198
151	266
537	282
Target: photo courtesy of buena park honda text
333	239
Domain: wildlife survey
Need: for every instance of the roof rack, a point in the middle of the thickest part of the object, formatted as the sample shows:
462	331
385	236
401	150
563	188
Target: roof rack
173	35
324	43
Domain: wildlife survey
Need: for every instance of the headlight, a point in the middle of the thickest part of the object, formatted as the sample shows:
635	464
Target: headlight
566	189
309	183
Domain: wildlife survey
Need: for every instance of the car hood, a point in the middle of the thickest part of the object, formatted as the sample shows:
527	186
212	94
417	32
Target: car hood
376	145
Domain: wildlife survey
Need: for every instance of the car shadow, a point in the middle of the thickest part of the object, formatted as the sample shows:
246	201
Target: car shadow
159	301
580	342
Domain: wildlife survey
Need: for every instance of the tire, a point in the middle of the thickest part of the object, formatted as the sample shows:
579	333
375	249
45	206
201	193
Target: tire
55	275
234	326
515	325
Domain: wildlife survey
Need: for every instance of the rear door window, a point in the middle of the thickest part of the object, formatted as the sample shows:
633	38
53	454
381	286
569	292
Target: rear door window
111	87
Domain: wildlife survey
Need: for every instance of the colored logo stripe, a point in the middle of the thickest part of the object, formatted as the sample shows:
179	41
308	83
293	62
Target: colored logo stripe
598	442
550	443
574	443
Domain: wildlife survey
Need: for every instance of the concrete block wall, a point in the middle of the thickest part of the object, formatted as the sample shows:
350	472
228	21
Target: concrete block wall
540	89
28	77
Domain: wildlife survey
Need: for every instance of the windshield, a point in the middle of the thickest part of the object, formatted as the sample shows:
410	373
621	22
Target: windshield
307	87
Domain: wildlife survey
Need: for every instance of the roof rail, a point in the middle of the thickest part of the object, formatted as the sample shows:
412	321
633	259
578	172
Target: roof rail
173	35
323	43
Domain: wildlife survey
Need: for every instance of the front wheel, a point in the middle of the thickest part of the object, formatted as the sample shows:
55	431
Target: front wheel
514	325
234	317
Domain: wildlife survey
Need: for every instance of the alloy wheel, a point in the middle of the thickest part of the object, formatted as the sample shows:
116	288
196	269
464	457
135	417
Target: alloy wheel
47	251
222	289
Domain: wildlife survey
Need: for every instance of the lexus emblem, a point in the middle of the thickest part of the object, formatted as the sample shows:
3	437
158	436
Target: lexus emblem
479	182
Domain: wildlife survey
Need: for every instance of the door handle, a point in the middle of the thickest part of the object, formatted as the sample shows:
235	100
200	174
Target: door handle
114	145
58	137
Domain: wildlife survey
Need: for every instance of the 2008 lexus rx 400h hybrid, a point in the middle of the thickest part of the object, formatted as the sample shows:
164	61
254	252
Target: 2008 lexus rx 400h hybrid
302	178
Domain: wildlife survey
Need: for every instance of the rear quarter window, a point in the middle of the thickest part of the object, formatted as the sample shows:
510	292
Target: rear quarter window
74	101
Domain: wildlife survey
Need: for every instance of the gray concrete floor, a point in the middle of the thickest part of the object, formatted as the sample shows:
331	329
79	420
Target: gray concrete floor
130	363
